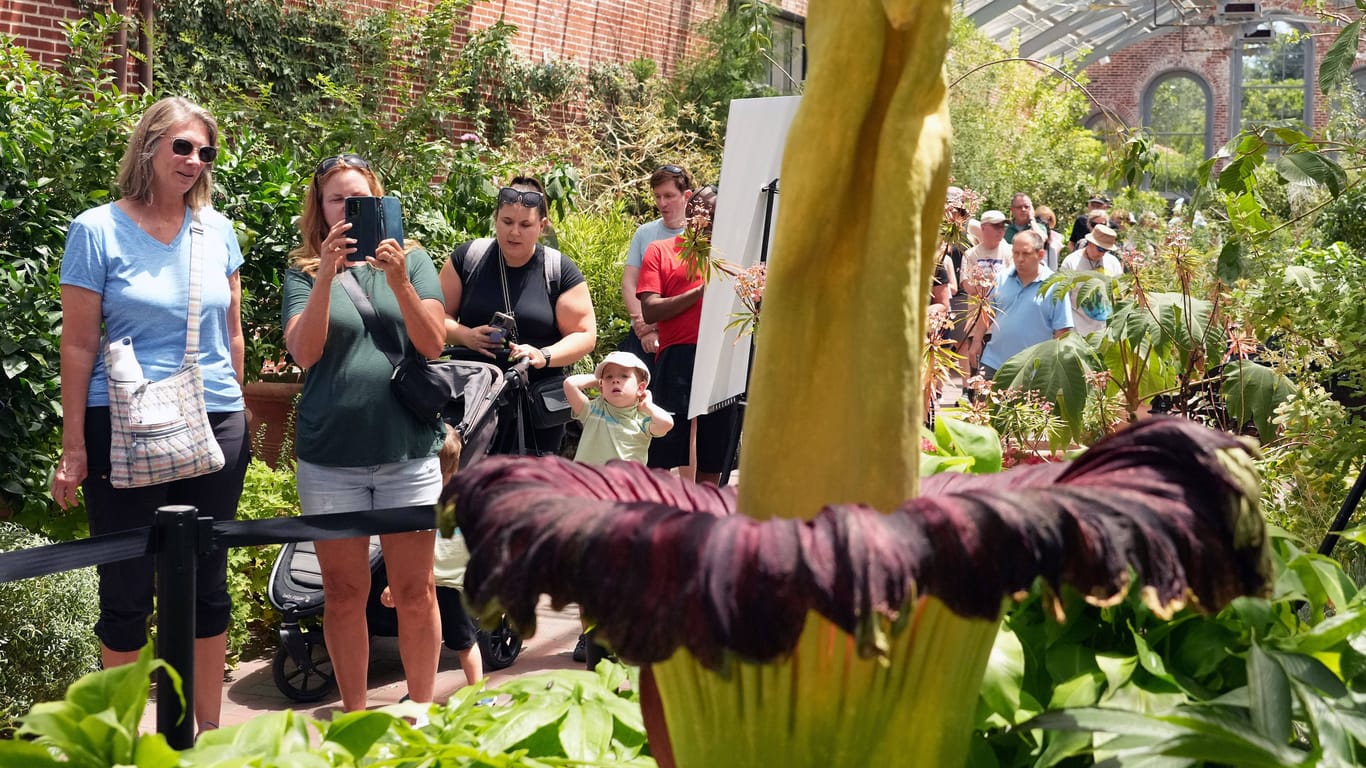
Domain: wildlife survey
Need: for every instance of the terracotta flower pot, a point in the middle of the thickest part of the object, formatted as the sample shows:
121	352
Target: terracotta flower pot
270	417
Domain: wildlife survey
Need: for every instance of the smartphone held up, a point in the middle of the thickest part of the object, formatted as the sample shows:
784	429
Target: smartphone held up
373	220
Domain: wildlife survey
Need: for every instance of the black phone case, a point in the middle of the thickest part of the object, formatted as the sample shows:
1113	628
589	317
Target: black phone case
373	219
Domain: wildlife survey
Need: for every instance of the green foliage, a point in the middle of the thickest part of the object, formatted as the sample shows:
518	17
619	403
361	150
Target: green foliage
1253	392
597	243
1263	682
1017	129
1055	369
1344	219
47	637
957	445
730	64
280	52
561	718
61	134
266	493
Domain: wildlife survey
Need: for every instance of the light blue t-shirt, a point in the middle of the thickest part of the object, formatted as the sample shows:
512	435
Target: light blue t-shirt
144	286
646	234
1024	316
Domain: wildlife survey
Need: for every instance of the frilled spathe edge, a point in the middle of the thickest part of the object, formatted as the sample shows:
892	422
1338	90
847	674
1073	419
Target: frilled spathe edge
660	563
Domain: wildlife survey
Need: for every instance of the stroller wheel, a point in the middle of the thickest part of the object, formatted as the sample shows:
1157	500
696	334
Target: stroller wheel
499	646
302	683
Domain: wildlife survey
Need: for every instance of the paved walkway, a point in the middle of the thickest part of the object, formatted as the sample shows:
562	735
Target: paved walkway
250	690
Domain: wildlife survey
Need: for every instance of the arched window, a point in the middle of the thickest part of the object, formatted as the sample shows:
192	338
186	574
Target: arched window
1269	75
1178	111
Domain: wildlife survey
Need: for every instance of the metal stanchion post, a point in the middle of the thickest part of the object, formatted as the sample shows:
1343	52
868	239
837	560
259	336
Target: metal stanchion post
177	555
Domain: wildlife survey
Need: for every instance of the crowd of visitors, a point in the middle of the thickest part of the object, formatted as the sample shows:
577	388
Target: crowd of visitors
156	273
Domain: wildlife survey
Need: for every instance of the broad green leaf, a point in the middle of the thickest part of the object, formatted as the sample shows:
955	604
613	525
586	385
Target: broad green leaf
933	464
1312	168
1236	175
1150	660
1004	677
1330	732
1305	277
1118	671
1337	63
1082	690
981	442
27	754
1245	211
1231	266
356	732
1252	391
1106	721
1056	369
152	751
1270	695
522	722
586	733
1307	670
1330	633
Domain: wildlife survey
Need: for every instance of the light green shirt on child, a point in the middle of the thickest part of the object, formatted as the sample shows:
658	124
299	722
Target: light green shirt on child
612	433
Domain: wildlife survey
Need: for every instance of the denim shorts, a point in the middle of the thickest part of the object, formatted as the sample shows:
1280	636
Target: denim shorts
324	490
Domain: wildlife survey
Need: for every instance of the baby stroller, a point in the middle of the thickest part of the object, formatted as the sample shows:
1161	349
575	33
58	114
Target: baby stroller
302	668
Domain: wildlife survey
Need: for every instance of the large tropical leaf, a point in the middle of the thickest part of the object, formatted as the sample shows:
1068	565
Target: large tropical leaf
1056	369
659	563
1312	169
1252	391
1337	62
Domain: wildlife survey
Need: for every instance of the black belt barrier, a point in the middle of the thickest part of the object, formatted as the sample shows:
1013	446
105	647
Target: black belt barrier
176	540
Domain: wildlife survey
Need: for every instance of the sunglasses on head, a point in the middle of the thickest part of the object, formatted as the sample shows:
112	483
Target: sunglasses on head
670	169
184	147
351	159
529	198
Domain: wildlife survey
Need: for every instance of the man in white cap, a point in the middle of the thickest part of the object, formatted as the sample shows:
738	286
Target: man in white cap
1096	254
976	278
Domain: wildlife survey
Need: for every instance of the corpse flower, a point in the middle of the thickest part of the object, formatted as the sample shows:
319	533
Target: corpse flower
818	618
675	579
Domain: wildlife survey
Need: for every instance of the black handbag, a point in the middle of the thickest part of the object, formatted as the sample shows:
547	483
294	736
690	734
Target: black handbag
549	405
425	386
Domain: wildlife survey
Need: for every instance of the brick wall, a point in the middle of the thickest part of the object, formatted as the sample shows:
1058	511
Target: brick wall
584	31
37	26
1206	52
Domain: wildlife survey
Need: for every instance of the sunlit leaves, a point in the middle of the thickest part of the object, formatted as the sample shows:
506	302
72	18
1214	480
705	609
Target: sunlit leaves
1336	66
1252	392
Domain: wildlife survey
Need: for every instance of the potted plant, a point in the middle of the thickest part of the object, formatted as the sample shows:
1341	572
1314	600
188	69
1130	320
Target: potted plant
259	190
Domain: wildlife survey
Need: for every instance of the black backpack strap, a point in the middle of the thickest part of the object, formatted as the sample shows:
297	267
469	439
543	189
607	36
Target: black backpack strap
383	339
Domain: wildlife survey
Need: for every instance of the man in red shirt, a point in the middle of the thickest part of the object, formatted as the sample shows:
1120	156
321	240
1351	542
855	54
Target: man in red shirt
671	297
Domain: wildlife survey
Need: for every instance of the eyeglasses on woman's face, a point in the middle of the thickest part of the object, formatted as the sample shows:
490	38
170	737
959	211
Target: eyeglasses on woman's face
528	198
184	147
350	159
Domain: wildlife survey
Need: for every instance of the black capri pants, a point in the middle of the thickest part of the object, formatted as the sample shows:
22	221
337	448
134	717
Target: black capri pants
126	587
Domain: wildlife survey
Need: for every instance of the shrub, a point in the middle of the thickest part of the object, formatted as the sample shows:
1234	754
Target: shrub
47	640
62	132
267	493
597	243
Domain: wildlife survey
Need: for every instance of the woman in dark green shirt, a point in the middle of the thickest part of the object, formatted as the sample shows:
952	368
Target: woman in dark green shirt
359	448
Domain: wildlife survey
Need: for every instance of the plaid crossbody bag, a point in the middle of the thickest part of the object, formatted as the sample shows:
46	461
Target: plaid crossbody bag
160	429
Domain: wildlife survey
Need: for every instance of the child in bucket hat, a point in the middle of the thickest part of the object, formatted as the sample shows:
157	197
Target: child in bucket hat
620	422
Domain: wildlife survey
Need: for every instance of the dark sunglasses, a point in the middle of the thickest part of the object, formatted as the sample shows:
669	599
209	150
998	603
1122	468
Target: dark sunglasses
351	159
530	199
670	169
184	147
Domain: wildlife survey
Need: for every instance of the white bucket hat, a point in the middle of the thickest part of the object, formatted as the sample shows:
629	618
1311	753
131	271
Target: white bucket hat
625	360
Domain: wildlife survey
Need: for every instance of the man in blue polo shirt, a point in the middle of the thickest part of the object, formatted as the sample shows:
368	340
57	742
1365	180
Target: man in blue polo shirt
1025	315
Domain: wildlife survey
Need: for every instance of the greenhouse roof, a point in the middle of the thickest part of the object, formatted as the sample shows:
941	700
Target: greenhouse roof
1087	30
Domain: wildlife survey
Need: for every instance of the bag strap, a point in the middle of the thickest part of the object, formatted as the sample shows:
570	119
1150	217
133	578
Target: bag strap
383	339
478	249
196	283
